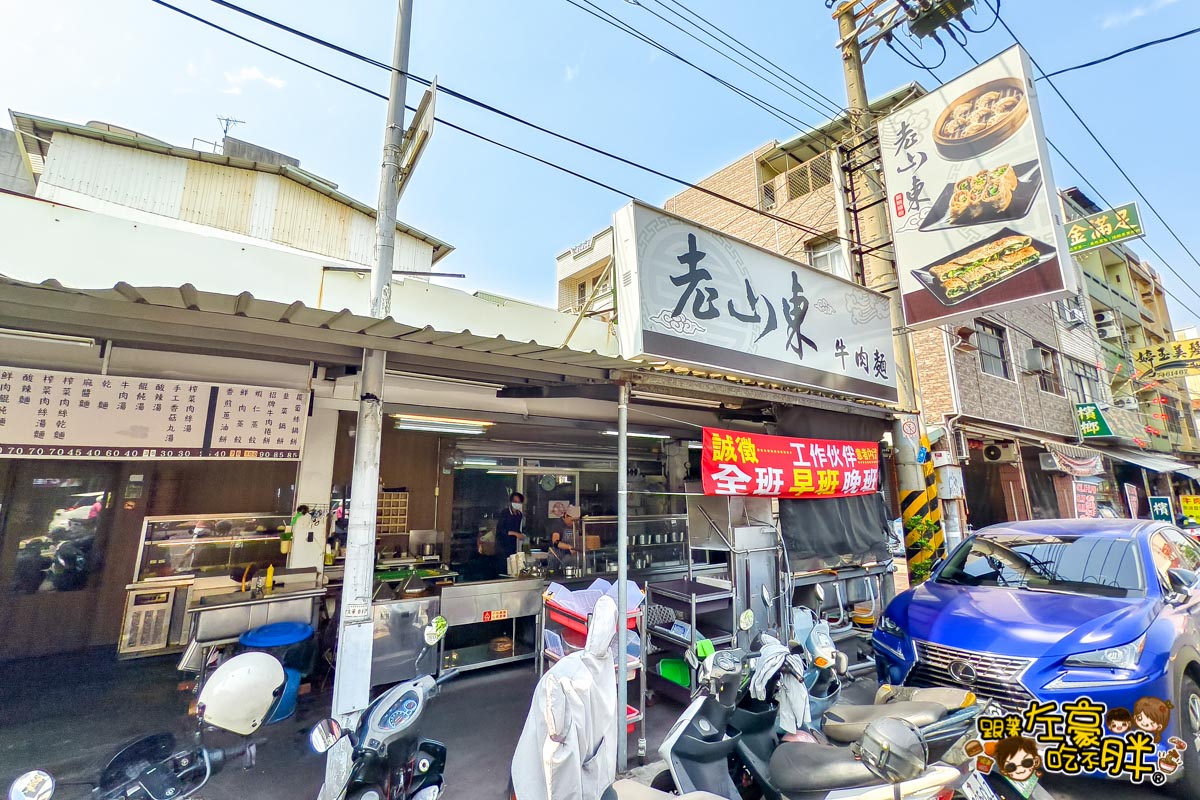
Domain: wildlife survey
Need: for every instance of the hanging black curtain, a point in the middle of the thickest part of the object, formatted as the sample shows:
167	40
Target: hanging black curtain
835	531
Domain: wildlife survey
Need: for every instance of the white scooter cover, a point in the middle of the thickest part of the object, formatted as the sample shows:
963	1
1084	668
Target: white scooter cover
568	748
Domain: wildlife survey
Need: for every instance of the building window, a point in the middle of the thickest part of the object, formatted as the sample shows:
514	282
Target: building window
827	255
1083	381
993	349
1174	417
1050	376
582	293
768	196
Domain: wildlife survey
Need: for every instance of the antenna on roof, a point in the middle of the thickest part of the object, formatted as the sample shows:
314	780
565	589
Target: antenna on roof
227	123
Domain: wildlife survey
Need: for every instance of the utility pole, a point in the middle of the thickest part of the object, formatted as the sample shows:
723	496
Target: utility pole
917	498
352	677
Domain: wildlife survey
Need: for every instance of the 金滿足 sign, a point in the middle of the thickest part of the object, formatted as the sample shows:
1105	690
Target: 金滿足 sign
690	295
1178	359
736	463
1097	230
50	414
1092	423
974	219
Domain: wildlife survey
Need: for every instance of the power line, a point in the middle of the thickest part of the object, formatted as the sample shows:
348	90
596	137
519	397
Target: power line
599	151
1103	149
1126	51
619	24
727	57
756	57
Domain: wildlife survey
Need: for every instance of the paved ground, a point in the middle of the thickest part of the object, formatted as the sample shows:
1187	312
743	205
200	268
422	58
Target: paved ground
68	715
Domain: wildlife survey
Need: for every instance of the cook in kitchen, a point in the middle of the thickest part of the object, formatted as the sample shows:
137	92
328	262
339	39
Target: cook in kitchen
564	538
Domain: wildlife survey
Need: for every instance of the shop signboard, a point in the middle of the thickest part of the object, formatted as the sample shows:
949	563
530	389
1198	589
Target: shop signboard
1178	359
1160	509
971	197
1189	506
1107	227
65	415
1085	500
737	463
1132	497
692	296
1092	424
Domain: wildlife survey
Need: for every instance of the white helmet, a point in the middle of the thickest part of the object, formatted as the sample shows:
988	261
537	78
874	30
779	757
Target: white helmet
240	694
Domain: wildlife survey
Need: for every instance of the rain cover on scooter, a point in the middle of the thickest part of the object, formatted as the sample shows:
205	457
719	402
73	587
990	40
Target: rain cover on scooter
568	748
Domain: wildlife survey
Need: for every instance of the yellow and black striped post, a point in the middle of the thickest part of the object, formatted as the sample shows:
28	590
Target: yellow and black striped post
922	504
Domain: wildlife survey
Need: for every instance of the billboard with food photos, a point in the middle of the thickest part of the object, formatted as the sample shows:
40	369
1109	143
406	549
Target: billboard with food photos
971	198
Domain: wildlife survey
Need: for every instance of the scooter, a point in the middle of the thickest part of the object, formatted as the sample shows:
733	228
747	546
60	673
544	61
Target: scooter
239	697
390	760
718	746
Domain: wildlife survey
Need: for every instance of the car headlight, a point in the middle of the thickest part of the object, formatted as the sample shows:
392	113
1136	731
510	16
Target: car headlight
888	625
1125	656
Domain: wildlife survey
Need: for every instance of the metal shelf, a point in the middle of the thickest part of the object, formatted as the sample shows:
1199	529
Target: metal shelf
723	638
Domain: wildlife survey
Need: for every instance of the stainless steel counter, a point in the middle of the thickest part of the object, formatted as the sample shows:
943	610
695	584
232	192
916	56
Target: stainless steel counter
399	638
227	616
483	614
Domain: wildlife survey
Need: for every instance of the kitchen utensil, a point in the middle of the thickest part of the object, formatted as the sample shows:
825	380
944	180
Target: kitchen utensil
428	549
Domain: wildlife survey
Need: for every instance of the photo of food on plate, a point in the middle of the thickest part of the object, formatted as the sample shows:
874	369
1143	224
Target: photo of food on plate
970	190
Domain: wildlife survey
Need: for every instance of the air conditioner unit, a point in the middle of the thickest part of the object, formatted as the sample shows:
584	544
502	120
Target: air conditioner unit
1001	453
1109	332
1127	403
1104	317
1034	361
1075	316
1048	462
962	448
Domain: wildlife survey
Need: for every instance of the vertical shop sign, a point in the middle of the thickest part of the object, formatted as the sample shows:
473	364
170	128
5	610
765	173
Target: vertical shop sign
1132	497
1085	500
1160	509
1189	506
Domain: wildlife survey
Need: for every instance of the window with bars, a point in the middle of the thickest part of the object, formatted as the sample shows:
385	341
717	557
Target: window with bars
993	349
1083	381
582	295
810	176
768	196
1174	417
1050	378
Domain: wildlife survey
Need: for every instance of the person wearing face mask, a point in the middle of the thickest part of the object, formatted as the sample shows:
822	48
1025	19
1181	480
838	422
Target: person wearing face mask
564	542
510	529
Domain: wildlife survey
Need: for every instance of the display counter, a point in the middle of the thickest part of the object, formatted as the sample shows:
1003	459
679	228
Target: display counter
399	638
490	622
658	541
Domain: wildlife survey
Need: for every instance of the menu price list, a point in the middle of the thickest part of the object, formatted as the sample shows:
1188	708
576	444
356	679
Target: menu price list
47	414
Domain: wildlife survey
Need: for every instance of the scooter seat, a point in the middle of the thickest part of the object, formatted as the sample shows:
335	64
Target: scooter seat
846	722
632	790
800	767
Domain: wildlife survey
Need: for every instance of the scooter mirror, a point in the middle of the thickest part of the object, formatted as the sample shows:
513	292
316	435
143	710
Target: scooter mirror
820	592
690	657
324	735
35	785
746	620
435	631
765	594
841	663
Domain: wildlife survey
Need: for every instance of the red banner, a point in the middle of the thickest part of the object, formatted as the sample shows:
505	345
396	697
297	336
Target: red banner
737	463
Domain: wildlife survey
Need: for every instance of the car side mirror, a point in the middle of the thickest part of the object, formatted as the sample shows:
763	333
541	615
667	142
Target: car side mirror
1183	581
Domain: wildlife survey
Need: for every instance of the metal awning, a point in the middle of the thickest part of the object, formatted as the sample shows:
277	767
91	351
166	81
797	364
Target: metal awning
1154	462
1191	472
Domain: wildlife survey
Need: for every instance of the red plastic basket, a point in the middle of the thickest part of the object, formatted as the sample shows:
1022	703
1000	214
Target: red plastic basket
578	623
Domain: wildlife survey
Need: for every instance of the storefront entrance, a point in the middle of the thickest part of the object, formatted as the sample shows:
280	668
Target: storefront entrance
55	524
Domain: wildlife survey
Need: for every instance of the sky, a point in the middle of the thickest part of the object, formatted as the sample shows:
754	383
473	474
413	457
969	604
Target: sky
136	64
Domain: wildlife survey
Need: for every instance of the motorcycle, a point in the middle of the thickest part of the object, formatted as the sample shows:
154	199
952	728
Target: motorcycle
239	697
390	760
726	743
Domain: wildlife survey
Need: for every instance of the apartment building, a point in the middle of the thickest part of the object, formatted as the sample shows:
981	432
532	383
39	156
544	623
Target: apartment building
999	391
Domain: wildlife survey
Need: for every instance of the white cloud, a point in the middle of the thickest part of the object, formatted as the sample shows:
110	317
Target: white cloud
249	74
232	90
1118	19
569	73
192	70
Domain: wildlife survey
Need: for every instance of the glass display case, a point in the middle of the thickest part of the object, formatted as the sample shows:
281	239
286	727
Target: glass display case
654	541
209	545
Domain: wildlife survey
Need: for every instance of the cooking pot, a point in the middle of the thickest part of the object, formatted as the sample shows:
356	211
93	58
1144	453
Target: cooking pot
428	549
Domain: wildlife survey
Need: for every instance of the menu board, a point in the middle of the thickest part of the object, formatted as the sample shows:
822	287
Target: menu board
47	414
1085	500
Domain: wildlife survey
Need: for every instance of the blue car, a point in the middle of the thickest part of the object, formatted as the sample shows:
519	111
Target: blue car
1057	610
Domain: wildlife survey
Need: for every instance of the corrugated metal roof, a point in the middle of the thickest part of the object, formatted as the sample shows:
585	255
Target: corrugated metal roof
34	134
187	297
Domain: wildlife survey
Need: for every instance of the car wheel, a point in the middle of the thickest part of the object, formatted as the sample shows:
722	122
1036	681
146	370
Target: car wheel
1188	786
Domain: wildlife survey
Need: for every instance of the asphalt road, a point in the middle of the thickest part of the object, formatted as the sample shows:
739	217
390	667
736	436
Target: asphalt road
1085	789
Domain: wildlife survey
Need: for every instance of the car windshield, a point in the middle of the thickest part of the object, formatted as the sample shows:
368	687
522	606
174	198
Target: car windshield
1100	565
